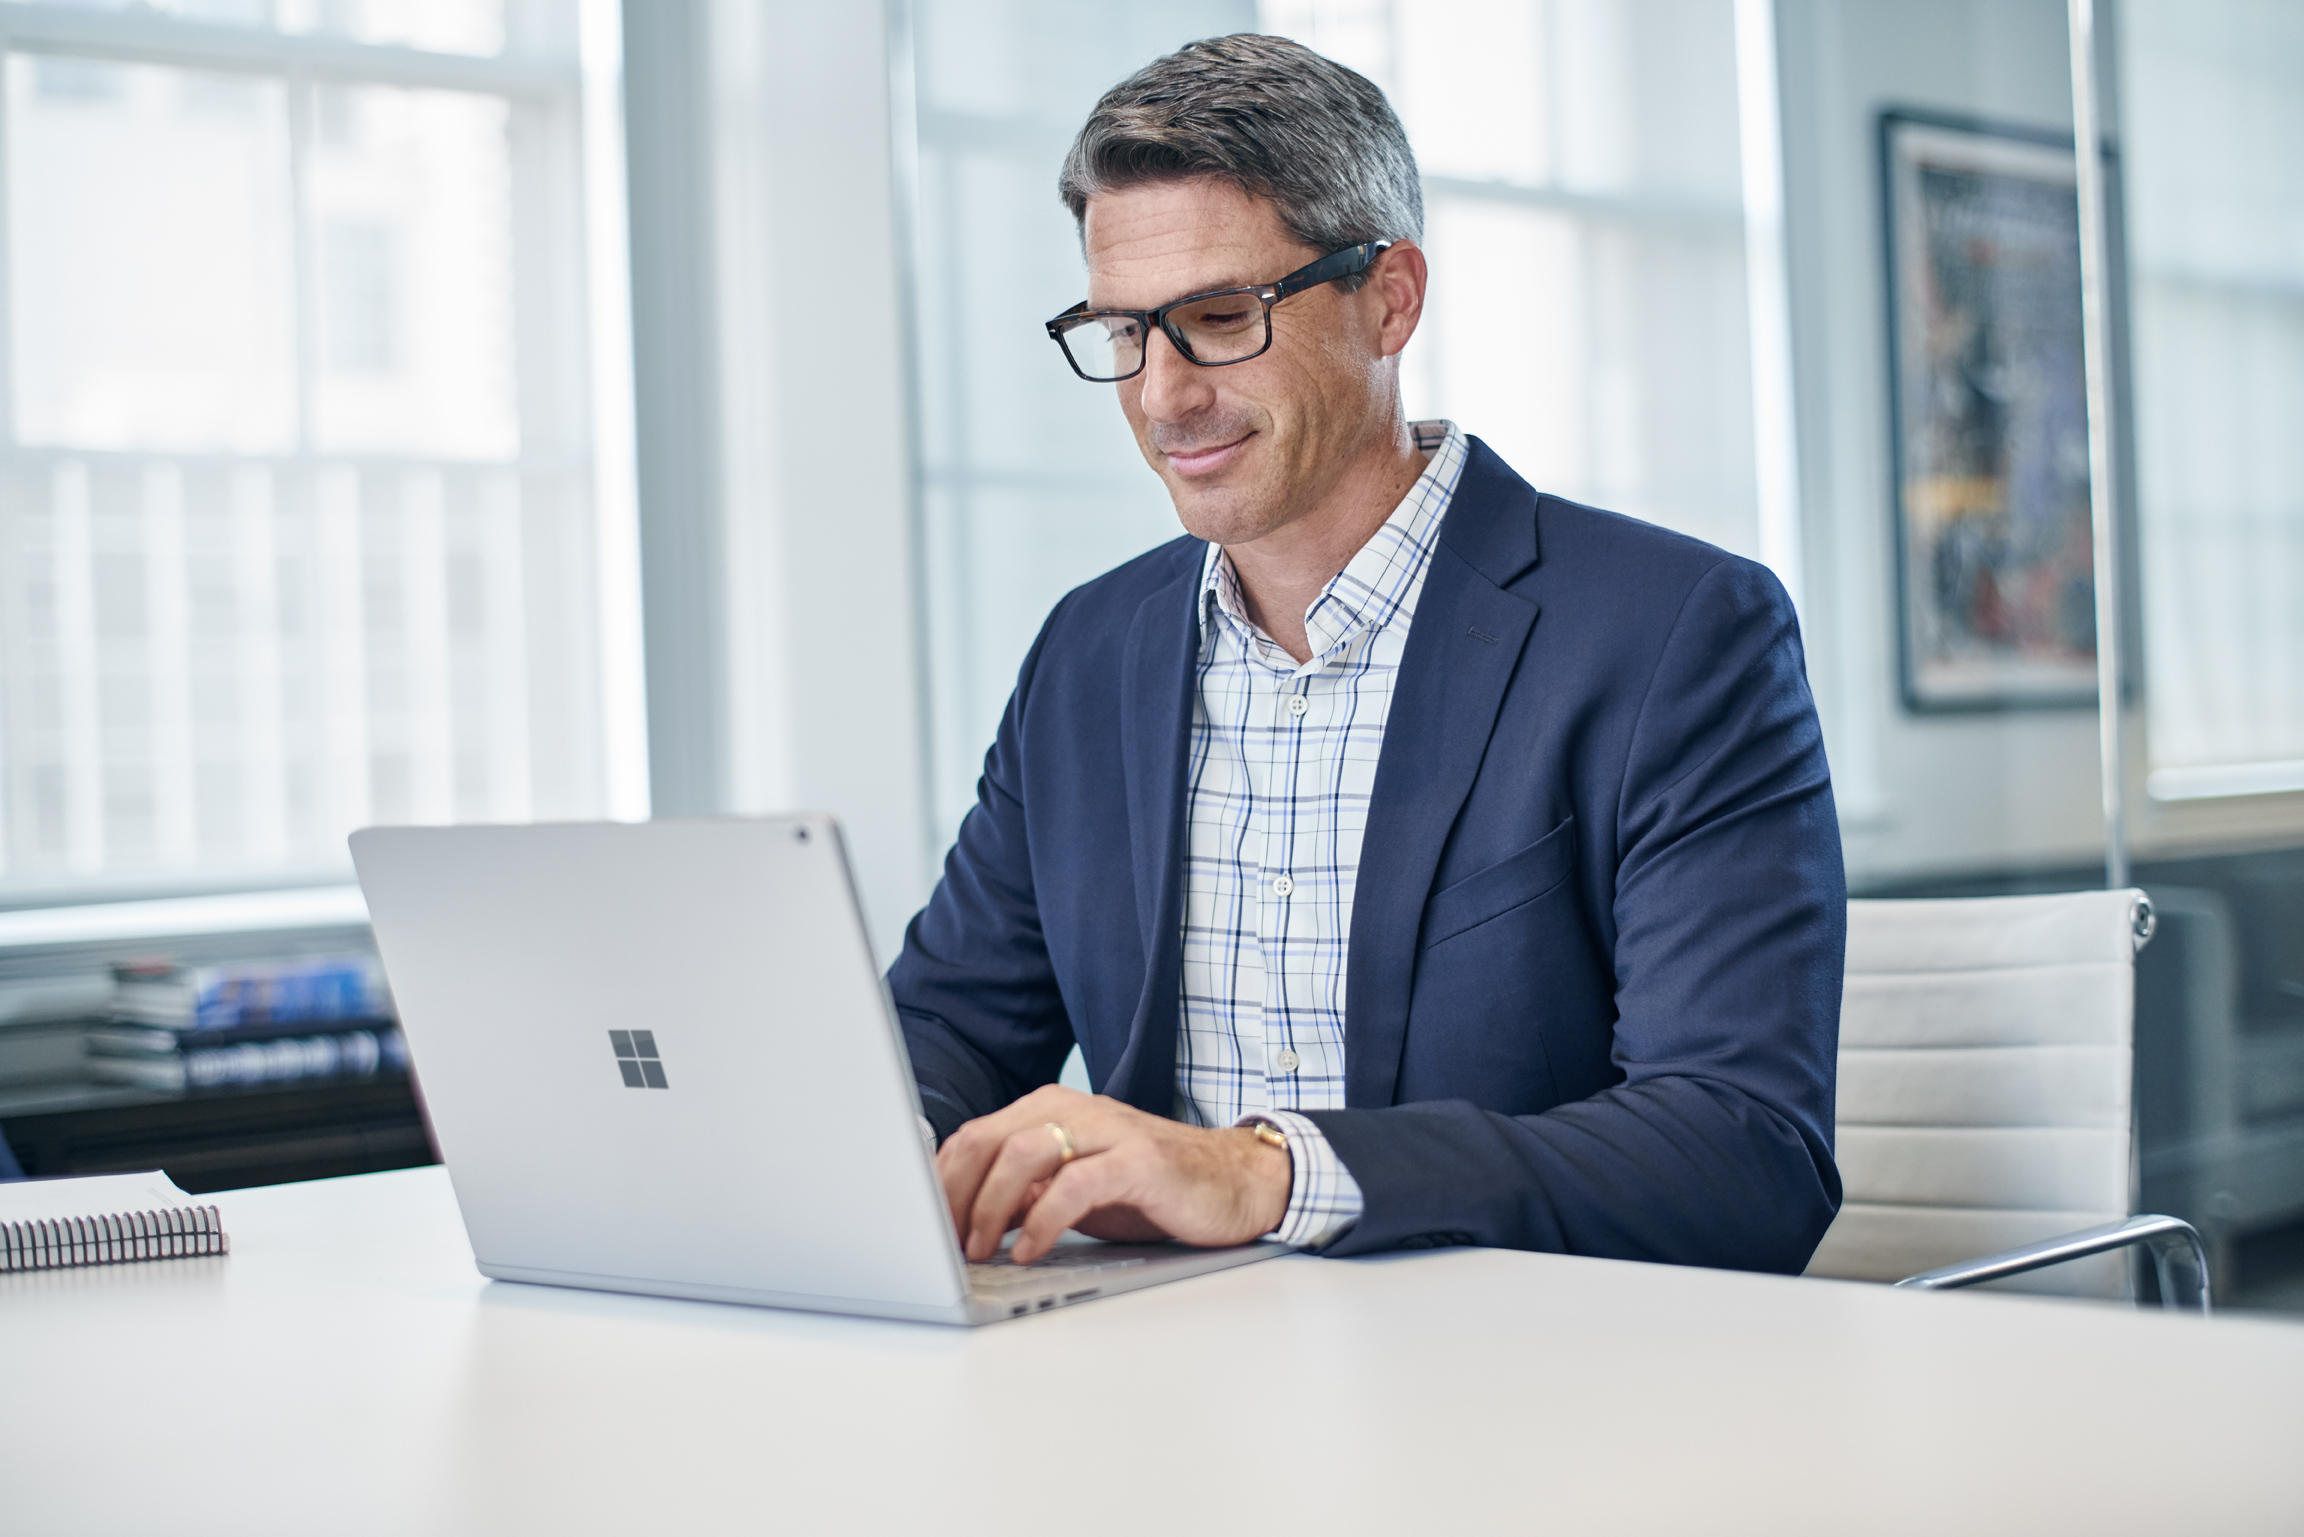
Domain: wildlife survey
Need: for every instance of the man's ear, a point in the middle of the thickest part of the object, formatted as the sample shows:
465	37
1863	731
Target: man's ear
1397	279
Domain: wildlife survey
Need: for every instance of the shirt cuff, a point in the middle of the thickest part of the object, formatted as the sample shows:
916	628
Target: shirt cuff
1323	1199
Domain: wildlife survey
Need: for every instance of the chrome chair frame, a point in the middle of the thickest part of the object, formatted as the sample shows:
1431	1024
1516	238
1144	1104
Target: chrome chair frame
2173	1242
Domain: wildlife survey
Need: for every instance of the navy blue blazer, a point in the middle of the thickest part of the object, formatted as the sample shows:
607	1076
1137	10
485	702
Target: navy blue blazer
1593	987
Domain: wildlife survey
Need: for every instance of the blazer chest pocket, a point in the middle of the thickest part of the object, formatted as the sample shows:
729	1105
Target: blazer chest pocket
1512	881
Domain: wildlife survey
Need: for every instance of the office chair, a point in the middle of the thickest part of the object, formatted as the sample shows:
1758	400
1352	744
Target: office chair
1986	1063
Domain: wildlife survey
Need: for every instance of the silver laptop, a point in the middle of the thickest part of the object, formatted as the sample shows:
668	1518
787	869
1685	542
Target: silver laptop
658	1058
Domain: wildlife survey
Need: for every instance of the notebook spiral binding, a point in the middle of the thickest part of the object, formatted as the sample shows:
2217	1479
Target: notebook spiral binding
60	1243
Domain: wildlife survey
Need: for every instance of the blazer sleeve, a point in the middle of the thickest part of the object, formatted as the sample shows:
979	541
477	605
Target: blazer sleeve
974	988
1730	919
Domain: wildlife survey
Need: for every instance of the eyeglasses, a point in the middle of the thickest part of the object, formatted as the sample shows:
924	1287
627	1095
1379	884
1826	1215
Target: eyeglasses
1231	325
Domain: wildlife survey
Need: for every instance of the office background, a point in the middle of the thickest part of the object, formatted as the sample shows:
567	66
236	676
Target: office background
431	410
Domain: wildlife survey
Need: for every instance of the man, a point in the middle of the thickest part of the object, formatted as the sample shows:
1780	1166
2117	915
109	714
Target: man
1416	859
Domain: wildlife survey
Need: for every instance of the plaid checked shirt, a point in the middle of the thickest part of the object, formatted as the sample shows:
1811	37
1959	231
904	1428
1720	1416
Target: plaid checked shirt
1283	763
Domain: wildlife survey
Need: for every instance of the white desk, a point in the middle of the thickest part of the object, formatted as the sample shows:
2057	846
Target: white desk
346	1370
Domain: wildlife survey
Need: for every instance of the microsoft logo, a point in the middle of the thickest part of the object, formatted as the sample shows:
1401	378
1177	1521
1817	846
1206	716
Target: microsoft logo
636	1056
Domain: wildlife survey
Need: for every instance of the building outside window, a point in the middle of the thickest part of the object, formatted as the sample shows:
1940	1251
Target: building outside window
2216	298
299	493
1584	220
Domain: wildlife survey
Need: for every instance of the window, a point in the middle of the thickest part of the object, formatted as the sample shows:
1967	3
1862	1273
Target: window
2216	294
1032	482
1585	224
1584	219
297	487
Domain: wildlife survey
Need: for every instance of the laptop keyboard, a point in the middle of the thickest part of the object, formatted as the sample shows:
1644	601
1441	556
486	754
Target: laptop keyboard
1002	1273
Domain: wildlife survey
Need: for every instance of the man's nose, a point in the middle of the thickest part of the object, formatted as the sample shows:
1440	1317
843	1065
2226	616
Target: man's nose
1174	386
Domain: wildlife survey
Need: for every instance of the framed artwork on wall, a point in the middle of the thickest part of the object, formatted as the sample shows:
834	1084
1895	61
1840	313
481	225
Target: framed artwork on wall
1988	416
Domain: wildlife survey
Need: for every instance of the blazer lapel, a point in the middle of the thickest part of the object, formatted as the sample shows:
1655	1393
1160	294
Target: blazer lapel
1462	650
1155	738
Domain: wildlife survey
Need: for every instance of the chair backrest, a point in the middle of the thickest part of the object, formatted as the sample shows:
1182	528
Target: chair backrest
1985	1068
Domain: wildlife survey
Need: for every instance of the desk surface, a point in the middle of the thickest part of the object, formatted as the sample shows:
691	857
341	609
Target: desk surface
346	1370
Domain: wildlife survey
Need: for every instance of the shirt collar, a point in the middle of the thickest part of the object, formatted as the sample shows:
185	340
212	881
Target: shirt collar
1378	586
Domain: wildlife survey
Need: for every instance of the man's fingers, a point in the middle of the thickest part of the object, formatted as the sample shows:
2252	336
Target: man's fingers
960	1166
1130	1171
969	1153
1028	1157
1078	1189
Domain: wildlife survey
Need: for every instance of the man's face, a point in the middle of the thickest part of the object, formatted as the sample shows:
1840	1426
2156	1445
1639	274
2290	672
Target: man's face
1248	448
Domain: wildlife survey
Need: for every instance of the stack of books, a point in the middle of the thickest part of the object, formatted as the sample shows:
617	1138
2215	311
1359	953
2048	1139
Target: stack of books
199	1027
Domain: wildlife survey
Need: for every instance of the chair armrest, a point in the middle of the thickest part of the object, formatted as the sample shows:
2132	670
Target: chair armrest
2172	1241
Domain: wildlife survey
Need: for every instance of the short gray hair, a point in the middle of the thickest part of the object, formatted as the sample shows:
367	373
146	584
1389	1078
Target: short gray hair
1316	140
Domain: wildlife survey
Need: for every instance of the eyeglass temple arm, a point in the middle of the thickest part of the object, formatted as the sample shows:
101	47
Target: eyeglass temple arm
1326	270
1329	268
2172	1241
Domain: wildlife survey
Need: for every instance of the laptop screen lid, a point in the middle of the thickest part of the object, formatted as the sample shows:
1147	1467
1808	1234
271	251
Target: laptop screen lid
661	1052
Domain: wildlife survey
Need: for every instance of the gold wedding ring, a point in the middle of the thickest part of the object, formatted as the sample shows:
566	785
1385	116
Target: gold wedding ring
1064	1148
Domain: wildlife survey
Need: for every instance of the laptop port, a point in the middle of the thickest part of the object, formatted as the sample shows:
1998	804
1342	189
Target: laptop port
1047	1302
1076	1296
1021	1307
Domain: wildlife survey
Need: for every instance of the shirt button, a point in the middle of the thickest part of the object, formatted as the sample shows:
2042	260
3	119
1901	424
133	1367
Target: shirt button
1282	885
1298	704
1287	1061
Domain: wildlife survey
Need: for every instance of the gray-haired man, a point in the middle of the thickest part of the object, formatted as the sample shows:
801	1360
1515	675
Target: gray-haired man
1415	859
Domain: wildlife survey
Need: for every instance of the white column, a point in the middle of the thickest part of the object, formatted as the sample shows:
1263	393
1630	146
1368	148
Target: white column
1768	296
624	690
776	484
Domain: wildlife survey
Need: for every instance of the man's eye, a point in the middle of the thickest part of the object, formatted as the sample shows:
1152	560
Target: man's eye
1223	320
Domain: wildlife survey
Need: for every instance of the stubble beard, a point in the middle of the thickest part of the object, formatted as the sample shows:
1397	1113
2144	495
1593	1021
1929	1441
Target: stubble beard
1238	512
1231	514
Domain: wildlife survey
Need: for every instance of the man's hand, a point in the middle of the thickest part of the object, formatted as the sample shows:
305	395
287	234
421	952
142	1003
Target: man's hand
1133	1176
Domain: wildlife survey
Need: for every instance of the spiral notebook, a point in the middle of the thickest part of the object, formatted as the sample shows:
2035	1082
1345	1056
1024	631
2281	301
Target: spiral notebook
103	1219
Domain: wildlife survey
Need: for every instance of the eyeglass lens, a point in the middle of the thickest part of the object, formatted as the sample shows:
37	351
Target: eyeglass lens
1224	328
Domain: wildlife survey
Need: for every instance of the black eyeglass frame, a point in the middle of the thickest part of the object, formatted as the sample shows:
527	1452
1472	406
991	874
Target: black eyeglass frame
1349	262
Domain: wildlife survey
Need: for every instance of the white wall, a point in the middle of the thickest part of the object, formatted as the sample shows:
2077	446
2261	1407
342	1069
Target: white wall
1918	793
